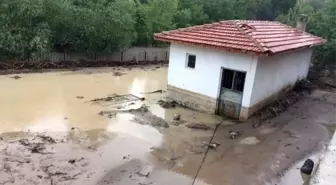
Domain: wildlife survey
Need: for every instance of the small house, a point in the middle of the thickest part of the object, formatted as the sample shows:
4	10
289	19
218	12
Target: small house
236	67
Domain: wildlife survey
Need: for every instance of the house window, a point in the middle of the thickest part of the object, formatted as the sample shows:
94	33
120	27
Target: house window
191	61
233	80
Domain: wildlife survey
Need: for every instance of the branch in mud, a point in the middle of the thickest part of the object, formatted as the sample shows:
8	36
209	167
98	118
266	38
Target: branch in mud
153	92
36	147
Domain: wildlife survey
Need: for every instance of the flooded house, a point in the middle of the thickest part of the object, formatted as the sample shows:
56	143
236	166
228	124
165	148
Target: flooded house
236	67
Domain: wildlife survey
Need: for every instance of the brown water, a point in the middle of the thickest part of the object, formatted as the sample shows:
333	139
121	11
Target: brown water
47	101
114	149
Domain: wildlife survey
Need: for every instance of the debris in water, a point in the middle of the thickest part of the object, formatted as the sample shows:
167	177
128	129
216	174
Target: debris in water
16	77
167	105
142	174
118	73
177	117
288	145
109	114
24	142
235	135
150	119
307	167
199	126
142	109
145	183
115	99
79	97
212	145
153	92
72	161
46	138
180	122
37	148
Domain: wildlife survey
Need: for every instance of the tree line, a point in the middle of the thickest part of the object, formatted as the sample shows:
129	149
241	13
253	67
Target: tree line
30	28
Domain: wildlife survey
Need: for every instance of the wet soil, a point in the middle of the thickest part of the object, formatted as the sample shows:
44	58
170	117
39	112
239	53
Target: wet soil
52	133
293	135
40	66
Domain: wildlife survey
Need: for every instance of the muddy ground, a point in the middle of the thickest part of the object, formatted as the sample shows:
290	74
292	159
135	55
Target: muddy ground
11	67
53	133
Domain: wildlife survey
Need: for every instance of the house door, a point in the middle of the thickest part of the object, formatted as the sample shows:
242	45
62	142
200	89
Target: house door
231	93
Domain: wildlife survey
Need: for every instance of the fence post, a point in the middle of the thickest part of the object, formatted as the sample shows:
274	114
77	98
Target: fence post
64	55
145	56
166	56
122	56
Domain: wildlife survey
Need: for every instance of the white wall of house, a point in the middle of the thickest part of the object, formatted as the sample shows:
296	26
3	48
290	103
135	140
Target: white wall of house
205	79
275	73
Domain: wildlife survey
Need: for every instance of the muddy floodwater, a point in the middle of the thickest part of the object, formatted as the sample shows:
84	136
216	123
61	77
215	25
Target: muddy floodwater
114	126
47	101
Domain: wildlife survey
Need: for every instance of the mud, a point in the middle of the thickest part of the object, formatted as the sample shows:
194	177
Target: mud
284	140
290	97
51	136
199	126
167	104
144	117
24	66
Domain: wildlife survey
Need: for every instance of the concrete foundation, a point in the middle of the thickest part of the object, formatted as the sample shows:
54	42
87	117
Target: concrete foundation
207	104
193	100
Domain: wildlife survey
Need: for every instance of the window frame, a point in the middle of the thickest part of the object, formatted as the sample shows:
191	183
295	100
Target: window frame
233	80
187	61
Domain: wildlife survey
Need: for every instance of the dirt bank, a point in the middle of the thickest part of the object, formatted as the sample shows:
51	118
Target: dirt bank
40	66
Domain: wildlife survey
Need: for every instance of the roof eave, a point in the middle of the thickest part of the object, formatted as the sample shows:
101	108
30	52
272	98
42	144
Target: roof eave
295	49
156	37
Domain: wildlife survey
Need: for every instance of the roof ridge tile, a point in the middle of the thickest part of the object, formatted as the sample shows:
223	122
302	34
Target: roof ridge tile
249	34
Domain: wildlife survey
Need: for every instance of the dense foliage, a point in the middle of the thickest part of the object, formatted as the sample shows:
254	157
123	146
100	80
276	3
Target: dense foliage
30	28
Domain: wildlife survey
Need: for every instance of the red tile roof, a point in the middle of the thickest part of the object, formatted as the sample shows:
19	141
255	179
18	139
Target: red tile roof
261	37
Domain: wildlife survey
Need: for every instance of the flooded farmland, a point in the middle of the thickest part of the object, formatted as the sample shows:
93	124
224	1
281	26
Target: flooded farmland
108	126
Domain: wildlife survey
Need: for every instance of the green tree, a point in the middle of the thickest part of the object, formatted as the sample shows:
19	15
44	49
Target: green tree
142	26
24	32
155	16
218	10
323	24
291	17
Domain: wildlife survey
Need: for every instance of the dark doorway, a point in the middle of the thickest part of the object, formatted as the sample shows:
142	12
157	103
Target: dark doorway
231	93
